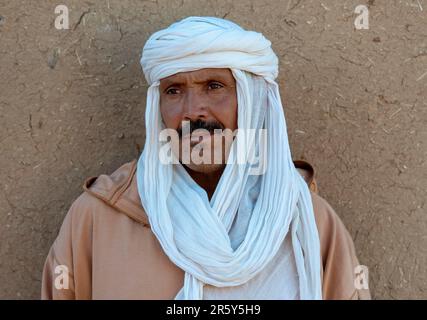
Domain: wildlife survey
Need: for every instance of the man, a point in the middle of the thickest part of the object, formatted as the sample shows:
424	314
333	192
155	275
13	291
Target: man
202	214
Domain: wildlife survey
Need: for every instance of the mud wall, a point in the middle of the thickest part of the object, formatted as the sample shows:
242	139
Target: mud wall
72	106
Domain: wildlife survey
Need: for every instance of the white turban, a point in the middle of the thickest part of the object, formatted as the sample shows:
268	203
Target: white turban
206	42
194	231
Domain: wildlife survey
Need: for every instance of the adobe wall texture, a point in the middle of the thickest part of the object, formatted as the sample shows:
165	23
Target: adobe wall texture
72	106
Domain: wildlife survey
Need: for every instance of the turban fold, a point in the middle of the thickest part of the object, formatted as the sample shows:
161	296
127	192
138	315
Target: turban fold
197	42
194	231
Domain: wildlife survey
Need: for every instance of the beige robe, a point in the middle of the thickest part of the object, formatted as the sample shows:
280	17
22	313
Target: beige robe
110	252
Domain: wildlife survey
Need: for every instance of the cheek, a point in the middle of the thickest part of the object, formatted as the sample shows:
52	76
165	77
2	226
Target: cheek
171	114
226	111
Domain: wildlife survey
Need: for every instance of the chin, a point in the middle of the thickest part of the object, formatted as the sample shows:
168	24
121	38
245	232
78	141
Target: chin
205	168
205	164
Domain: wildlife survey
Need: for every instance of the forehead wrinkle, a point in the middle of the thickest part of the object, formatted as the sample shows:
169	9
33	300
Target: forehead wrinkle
200	78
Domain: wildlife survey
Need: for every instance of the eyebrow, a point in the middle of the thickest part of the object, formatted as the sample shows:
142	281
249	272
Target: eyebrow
211	77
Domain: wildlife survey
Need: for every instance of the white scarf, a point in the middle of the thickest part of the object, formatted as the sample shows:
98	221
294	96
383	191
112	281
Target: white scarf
192	230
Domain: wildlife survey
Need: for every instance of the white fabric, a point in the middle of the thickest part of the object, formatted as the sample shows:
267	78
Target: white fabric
193	231
277	281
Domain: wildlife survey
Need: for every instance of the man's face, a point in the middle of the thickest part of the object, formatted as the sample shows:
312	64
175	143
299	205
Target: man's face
205	98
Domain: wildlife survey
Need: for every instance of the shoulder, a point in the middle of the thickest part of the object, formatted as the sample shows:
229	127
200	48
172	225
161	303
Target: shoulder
327	219
108	187
328	222
77	223
338	254
99	195
333	234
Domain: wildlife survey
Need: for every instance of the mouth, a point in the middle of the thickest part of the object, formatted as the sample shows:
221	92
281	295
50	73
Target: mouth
196	137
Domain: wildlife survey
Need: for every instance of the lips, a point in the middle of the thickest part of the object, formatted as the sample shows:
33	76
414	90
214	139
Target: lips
196	137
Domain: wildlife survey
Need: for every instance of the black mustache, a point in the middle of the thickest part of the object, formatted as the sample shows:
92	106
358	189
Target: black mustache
200	124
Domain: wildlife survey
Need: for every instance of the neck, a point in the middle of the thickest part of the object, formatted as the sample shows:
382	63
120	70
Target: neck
207	180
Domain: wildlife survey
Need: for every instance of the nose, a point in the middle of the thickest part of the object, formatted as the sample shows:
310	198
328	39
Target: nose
195	106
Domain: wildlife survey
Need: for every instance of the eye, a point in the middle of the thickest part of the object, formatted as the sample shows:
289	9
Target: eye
172	91
215	85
